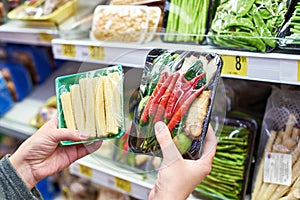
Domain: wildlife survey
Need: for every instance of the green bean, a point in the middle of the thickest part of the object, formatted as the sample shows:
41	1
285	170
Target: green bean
263	30
243	7
251	39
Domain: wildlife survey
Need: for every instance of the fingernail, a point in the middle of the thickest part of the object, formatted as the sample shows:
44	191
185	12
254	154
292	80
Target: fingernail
159	126
84	134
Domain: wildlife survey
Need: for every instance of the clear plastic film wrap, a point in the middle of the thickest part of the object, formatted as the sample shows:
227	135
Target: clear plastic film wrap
177	87
125	23
277	174
92	102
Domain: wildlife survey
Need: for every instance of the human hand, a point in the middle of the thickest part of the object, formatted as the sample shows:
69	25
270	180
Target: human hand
178	177
40	155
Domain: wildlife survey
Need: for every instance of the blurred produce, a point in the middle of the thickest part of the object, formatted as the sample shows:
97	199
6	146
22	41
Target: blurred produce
231	165
277	174
46	112
186	21
248	25
289	37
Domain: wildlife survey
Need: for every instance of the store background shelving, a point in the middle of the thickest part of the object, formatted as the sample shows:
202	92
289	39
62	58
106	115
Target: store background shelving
276	67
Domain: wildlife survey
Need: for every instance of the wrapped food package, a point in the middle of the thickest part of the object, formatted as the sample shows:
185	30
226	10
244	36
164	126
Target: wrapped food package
277	174
5	96
177	87
17	78
125	23
92	102
248	25
229	176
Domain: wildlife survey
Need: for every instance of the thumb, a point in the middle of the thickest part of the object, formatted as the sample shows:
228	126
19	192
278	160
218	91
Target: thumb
168	147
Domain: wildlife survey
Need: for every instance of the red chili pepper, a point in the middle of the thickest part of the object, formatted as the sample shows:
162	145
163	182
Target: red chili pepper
155	101
164	99
145	114
184	108
180	94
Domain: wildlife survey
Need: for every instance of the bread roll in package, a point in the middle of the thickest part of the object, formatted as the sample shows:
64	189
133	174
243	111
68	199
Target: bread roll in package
92	102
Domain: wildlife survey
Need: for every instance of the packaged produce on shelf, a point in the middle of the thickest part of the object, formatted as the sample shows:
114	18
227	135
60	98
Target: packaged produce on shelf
17	78
54	11
248	25
35	59
129	2
92	102
177	87
122	23
77	188
229	176
6	100
186	21
132	161
8	145
289	36
45	113
277	174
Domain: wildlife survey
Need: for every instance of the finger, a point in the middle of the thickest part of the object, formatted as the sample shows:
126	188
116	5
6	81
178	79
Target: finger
83	150
210	145
168	147
68	134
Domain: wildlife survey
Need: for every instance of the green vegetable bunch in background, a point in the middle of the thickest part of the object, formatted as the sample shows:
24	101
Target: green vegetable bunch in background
187	21
225	180
248	24
295	26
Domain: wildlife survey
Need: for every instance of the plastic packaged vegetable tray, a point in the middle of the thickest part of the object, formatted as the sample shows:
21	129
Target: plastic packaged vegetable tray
229	176
186	22
289	36
92	102
57	16
177	87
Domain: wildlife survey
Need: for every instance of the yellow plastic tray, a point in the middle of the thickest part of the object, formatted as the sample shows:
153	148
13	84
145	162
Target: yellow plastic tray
59	15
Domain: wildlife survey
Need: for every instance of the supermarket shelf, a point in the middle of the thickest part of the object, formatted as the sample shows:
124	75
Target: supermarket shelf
107	173
270	67
16	121
42	33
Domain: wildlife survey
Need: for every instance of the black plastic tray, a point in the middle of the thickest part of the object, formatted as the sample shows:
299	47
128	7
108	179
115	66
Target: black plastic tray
196	147
237	121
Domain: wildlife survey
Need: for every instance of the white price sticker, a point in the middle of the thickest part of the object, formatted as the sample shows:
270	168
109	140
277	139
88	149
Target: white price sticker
278	168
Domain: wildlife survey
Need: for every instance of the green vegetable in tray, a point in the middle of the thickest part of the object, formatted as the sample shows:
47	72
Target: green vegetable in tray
250	25
229	165
187	21
176	89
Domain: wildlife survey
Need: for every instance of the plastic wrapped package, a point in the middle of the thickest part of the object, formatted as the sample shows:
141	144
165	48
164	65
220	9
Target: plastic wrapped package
92	102
248	25
177	87
289	37
6	100
229	176
120	23
35	59
45	113
54	11
186	22
17	79
277	174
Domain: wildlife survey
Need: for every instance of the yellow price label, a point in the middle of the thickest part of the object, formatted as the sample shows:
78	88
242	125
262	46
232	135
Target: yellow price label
235	65
45	37
298	73
96	53
68	50
84	170
123	184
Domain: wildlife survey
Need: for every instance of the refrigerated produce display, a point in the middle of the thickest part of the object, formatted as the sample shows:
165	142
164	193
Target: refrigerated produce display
233	64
